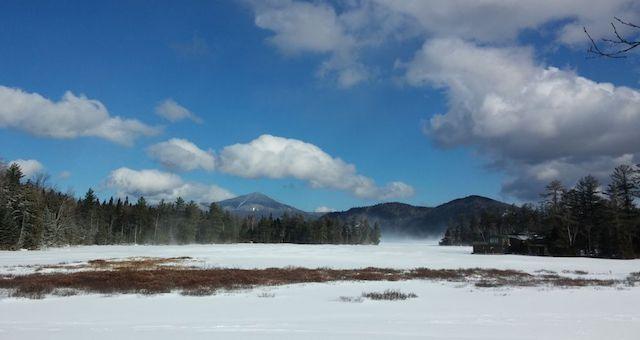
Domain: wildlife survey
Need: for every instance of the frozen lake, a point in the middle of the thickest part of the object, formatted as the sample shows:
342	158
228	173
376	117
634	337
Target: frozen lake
313	311
387	254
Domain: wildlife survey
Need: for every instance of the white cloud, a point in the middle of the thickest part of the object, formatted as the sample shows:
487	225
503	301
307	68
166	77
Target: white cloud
527	180
349	30
155	185
492	21
301	27
276	157
532	121
181	154
173	112
324	209
71	117
64	175
29	167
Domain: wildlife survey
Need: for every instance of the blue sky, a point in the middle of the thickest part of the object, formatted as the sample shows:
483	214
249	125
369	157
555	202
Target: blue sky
350	88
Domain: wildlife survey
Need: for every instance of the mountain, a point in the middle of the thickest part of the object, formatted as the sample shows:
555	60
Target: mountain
260	205
407	220
394	218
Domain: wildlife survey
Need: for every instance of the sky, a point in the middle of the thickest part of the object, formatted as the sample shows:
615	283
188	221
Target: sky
323	105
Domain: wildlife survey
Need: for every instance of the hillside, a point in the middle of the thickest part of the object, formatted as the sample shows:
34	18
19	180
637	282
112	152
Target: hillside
407	220
394	218
259	205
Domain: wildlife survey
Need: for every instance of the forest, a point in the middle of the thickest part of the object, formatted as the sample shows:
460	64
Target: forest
584	220
33	216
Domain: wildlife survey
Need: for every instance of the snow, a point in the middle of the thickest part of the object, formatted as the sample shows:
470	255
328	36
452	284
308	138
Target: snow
389	255
313	311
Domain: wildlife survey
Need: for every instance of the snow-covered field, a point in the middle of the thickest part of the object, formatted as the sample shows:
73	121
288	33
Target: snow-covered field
387	255
313	311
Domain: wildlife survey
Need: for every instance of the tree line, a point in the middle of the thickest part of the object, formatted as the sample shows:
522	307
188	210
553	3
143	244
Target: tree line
33	215
585	220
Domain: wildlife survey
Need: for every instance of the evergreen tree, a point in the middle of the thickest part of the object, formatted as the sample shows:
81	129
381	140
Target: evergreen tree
589	209
187	228
622	191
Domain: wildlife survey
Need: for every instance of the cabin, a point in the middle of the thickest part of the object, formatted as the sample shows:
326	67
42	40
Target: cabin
495	245
528	244
521	244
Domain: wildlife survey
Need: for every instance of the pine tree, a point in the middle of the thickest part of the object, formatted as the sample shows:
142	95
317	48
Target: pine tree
89	217
375	238
621	192
588	209
189	224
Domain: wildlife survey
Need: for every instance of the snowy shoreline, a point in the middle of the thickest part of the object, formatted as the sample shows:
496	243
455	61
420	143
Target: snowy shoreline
396	255
441	310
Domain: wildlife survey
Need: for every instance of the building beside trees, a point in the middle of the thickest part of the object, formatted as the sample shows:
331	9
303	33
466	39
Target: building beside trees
584	220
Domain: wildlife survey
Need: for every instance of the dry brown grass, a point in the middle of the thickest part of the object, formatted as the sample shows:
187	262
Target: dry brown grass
389	295
155	275
633	279
266	295
576	272
351	299
135	263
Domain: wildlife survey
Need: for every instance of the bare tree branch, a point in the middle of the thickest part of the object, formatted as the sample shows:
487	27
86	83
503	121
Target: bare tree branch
622	44
626	23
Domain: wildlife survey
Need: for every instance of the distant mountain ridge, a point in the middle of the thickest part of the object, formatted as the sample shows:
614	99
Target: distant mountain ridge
259	205
408	220
394	218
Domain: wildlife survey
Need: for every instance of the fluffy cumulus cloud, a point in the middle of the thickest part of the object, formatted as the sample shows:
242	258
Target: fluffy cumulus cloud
182	155
29	167
70	117
276	157
156	185
535	122
300	27
529	179
170	110
348	31
502	20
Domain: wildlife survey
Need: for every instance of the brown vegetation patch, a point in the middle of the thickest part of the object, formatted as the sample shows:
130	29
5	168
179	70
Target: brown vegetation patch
151	276
134	263
633	279
576	272
568	282
137	263
351	299
486	284
389	295
266	295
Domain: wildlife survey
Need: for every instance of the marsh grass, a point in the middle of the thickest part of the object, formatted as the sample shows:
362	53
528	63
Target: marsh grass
389	295
157	275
